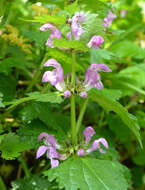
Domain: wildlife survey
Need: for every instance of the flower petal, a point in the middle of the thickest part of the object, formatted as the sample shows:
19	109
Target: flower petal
81	152
47	26
88	133
43	135
83	94
96	145
67	93
41	150
100	67
95	41
54	163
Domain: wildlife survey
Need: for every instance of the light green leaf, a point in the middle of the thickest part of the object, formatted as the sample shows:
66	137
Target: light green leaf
112	105
76	45
128	49
11	146
72	8
33	183
55	19
51	97
89	174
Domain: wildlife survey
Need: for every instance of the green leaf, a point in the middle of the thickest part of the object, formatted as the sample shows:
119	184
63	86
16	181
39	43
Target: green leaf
98	55
128	49
34	183
112	105
53	123
76	45
55	19
92	26
89	174
7	64
72	8
99	7
7	87
51	97
11	146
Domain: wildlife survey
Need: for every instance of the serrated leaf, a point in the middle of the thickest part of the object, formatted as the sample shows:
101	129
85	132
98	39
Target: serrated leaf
98	55
51	97
11	146
33	183
76	45
112	105
93	174
92	26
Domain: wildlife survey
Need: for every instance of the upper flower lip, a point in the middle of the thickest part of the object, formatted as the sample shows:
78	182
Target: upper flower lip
55	33
56	76
93	78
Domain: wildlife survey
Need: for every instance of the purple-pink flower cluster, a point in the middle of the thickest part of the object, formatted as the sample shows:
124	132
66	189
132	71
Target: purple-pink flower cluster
92	78
109	19
88	133
54	33
50	148
56	77
76	27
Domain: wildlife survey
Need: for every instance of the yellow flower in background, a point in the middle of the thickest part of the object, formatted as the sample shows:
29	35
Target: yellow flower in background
41	10
140	39
13	37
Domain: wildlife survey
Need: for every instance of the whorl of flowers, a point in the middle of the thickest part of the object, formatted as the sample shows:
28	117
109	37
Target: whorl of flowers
88	133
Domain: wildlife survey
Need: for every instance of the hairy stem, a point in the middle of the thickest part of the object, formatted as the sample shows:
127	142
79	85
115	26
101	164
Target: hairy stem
81	115
73	109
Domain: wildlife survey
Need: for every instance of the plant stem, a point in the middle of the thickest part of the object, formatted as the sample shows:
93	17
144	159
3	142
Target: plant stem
81	115
73	109
2	185
37	73
24	166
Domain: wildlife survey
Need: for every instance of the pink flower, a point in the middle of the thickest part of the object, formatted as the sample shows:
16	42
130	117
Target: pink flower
93	78
55	33
55	77
50	149
96	145
95	42
76	26
81	152
88	133
109	19
49	140
67	93
83	94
